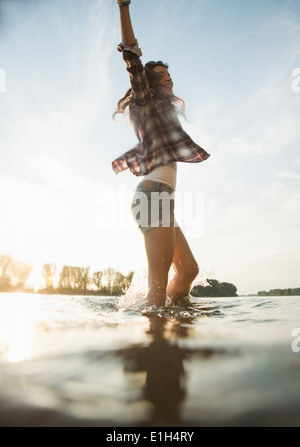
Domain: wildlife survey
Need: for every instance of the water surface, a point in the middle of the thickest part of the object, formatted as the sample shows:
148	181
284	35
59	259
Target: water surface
89	361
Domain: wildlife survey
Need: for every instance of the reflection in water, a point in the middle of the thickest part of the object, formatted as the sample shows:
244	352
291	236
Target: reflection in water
165	381
85	367
18	326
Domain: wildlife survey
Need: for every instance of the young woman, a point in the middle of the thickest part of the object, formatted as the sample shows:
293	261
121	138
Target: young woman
162	143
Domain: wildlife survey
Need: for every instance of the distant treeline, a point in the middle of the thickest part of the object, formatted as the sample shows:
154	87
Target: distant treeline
281	292
14	275
214	288
78	280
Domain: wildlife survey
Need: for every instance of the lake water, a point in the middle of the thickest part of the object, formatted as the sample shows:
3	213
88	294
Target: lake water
95	361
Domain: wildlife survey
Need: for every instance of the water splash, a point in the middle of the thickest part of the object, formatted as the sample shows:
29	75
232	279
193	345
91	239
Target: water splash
135	296
135	300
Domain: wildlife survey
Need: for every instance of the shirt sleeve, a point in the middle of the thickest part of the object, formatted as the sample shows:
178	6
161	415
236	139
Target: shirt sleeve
140	89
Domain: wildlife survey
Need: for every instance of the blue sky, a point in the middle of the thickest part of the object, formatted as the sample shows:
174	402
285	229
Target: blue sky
232	63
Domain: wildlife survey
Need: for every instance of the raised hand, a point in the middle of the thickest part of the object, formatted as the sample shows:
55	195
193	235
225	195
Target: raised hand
123	2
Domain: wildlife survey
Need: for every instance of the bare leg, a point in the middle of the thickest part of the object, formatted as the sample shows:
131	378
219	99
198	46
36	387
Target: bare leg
159	244
185	267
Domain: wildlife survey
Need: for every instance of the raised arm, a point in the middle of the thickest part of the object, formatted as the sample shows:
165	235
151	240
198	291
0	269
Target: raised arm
140	90
127	34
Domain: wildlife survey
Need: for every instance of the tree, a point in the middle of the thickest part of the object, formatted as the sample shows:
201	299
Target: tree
13	272
281	292
65	278
109	279
74	278
5	260
214	288
48	272
97	280
228	289
121	283
111	282
82	275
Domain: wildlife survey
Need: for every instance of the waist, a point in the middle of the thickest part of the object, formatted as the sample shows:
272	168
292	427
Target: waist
163	174
148	186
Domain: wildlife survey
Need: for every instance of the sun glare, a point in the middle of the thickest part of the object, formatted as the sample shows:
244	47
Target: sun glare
36	280
18	326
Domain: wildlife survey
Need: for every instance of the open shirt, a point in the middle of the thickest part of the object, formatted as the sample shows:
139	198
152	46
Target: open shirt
154	118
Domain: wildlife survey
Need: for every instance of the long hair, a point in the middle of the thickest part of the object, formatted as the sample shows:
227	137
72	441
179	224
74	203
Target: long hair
153	79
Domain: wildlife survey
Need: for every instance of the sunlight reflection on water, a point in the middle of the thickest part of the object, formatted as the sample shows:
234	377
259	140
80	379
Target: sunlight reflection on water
39	325
18	326
82	361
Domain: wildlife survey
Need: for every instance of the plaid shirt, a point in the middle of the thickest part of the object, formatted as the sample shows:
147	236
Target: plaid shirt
154	118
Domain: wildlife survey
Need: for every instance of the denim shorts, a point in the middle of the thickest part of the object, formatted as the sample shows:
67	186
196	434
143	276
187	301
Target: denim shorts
153	205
